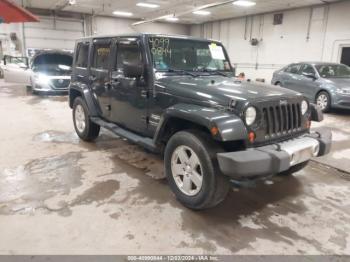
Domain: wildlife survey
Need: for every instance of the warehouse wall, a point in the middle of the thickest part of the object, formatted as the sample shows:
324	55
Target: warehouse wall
7	45
53	32
109	25
308	34
61	33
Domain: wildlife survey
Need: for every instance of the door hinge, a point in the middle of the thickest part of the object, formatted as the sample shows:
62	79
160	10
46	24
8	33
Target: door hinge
145	93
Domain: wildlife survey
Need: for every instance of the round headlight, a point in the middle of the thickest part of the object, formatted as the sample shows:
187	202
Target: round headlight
304	107
250	115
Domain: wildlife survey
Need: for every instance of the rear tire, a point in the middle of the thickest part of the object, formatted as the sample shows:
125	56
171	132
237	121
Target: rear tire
323	101
84	127
294	169
190	159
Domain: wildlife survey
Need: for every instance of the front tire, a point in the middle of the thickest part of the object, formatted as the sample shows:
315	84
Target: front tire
84	127
192	170
323	101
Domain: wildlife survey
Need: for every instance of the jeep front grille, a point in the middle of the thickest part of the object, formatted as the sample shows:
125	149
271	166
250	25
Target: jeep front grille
281	119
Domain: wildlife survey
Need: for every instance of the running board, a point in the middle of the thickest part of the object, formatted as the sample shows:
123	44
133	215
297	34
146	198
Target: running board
134	138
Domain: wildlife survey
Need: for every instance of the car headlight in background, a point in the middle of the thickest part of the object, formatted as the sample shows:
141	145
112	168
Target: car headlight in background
42	79
304	107
250	115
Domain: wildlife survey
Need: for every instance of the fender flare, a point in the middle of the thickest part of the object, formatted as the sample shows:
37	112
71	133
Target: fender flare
86	95
230	126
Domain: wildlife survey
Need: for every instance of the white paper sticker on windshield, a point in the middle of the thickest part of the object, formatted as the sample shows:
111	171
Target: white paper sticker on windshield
216	52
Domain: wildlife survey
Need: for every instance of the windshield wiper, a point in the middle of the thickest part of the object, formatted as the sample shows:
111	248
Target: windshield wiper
173	70
216	72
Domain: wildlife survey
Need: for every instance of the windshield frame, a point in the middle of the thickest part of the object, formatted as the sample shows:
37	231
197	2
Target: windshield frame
317	68
189	39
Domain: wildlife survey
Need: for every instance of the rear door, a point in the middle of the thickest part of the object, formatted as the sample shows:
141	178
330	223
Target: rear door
99	76
16	70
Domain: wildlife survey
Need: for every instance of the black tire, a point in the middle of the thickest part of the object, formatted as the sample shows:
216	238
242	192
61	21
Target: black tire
91	130
328	106
294	169
215	186
278	84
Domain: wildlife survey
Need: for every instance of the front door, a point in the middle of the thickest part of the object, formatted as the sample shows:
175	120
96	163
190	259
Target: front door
16	70
129	98
308	84
99	76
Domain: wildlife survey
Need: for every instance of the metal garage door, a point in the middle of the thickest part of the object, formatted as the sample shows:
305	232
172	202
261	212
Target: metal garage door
53	33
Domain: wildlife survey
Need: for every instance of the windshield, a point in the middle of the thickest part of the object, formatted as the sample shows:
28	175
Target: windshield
333	71
189	55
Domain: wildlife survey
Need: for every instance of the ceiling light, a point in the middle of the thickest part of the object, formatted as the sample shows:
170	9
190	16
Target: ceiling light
245	3
171	18
121	13
201	12
148	5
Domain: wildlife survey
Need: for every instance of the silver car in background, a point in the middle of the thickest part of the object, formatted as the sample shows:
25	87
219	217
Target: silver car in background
327	84
49	71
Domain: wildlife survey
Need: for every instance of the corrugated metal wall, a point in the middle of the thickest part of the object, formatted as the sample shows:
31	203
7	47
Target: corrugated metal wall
53	32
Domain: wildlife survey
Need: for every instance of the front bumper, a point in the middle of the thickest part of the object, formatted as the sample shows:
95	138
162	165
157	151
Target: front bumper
48	89
275	158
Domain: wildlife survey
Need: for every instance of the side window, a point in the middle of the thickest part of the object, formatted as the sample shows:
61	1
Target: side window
100	56
293	69
308	69
82	55
127	52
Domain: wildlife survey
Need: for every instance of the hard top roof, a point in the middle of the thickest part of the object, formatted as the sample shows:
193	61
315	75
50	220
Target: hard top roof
149	35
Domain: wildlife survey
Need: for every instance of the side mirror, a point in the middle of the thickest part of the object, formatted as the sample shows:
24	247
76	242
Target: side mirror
310	75
132	70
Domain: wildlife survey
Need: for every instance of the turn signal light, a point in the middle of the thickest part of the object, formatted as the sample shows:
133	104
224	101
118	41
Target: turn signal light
308	124
251	137
214	130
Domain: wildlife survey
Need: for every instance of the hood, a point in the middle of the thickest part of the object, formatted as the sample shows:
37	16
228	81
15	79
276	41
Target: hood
53	63
221	90
339	82
52	57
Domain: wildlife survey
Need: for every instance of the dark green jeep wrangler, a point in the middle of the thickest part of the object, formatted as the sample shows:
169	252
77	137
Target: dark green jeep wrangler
178	96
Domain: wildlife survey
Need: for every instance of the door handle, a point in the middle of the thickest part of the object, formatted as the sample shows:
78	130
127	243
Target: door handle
115	80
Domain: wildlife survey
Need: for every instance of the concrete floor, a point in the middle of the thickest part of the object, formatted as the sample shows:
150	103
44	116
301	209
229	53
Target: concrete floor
59	195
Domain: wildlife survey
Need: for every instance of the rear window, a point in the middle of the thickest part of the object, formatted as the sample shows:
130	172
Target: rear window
101	54
82	55
293	69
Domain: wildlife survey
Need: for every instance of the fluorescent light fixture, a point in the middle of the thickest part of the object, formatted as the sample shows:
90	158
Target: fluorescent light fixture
121	13
244	3
201	12
148	5
171	18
